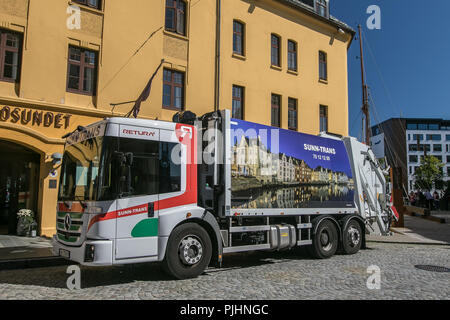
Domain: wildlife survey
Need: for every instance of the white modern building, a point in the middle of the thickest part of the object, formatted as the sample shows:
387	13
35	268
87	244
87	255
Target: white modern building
405	141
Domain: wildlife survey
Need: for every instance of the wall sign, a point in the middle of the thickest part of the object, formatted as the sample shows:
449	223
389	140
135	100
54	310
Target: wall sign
52	184
35	118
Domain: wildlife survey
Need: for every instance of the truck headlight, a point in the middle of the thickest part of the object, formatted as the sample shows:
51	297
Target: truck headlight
89	253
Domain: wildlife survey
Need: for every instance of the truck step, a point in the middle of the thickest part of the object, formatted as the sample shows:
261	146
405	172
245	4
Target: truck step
304	226
304	242
250	229
246	248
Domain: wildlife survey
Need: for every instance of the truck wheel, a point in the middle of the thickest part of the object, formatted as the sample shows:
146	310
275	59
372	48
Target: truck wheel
325	241
188	251
352	238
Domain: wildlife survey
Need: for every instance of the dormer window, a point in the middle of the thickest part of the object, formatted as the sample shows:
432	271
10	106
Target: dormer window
322	8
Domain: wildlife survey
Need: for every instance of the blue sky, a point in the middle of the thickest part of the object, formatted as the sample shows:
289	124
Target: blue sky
407	61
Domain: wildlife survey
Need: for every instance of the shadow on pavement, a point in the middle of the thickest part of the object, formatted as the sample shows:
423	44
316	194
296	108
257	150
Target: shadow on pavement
56	277
91	277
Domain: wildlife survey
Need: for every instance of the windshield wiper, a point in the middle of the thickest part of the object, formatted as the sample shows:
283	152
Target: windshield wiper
84	205
64	199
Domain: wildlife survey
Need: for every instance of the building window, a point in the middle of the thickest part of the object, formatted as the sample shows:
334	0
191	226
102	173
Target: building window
173	90
433	126
292	55
418	137
176	16
323	73
413	158
275	50
322	8
10	53
238	103
437	147
413	147
90	3
82	71
323	118
276	111
434	137
422	126
292	114
447	137
238	38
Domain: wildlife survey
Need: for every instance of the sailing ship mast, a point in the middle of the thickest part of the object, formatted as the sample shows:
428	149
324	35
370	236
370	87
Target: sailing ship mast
365	95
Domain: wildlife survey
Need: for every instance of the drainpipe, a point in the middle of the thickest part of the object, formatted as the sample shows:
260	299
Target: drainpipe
217	70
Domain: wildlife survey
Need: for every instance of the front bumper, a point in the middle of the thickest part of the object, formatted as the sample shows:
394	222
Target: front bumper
103	253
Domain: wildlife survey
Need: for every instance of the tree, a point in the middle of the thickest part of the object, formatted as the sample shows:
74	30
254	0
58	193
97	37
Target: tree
429	173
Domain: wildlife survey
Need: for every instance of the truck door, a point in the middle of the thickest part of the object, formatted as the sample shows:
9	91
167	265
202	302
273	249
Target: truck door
137	214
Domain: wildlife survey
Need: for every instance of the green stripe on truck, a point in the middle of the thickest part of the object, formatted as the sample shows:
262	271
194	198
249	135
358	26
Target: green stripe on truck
145	228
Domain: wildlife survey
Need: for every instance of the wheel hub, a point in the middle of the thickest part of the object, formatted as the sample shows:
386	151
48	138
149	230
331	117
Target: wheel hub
325	241
353	236
190	250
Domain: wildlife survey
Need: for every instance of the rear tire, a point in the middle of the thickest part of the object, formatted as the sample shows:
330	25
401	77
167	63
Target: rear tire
352	238
188	252
325	240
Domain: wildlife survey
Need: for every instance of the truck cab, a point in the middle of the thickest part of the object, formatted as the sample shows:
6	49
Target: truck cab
123	185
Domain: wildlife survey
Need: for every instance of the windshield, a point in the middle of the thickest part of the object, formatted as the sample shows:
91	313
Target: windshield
81	176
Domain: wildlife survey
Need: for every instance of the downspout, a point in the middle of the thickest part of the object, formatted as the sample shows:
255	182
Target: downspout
217	69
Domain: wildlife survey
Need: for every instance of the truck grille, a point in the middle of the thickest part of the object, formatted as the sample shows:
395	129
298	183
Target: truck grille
69	227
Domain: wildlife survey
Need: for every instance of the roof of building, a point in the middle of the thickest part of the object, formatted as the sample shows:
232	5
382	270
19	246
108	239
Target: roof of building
416	120
305	8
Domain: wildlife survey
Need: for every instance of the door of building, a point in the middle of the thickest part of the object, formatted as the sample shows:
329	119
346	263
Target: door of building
19	177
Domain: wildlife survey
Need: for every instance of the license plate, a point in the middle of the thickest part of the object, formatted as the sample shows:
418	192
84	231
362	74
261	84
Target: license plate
64	253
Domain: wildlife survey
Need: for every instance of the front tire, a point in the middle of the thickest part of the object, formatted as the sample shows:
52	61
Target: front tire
188	252
325	240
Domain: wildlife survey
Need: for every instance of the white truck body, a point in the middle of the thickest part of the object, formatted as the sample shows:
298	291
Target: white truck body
136	190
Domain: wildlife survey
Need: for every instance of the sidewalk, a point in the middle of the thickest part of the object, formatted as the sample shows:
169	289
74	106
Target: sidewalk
442	215
417	231
22	252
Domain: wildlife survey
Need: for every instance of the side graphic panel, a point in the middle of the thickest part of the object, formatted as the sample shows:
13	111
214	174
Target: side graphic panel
277	168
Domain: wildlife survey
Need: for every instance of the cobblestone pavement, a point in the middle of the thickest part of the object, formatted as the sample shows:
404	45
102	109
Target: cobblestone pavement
253	276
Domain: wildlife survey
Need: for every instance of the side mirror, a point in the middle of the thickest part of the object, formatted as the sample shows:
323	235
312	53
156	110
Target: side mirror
125	161
129	158
120	158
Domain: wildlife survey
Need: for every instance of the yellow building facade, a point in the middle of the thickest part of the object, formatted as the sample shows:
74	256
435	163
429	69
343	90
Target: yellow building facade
70	63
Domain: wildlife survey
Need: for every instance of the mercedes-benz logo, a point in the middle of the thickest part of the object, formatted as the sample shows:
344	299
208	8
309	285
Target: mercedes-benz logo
67	222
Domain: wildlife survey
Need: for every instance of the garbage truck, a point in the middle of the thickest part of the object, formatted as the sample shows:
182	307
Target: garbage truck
188	192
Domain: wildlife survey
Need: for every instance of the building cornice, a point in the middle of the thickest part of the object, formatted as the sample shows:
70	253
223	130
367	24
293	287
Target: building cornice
332	21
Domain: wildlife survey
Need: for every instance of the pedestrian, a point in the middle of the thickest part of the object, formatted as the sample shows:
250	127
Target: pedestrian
412	198
429	199
422	199
436	200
